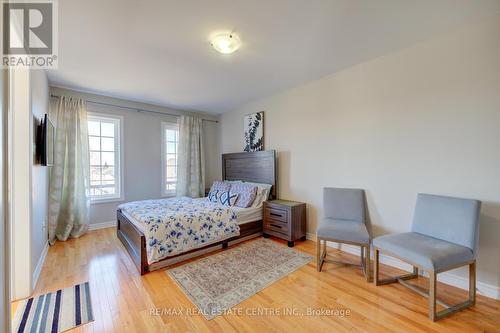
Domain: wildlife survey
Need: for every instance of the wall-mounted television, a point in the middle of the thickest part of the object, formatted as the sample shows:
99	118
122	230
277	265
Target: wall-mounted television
45	142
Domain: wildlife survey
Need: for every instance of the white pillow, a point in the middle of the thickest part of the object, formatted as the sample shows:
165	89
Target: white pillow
263	191
259	198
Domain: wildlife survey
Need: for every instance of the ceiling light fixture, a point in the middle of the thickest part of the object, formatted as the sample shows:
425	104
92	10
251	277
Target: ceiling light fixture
225	43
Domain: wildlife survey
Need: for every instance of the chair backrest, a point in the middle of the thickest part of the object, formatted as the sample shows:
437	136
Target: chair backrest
454	220
344	204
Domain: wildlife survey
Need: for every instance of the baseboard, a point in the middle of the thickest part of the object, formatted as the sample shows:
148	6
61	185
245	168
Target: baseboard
484	289
102	225
39	266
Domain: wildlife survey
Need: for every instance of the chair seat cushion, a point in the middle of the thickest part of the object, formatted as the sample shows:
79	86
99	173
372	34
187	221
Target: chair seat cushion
343	230
425	251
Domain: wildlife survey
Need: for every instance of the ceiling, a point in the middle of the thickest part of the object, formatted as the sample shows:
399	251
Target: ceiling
158	51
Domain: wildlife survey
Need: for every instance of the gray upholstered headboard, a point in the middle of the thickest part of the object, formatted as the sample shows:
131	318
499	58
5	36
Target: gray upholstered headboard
258	167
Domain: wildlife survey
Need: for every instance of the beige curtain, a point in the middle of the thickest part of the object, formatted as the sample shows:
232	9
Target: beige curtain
69	176
191	159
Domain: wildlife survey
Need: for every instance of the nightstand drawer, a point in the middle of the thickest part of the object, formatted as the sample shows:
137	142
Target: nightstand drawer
276	214
277	226
285	219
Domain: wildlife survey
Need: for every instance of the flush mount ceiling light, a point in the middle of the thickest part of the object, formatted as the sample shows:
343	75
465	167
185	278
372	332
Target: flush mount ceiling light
225	43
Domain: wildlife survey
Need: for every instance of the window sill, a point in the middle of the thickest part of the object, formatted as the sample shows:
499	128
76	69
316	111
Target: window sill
168	195
105	201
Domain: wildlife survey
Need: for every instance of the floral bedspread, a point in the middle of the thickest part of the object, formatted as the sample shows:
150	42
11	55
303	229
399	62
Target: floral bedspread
176	225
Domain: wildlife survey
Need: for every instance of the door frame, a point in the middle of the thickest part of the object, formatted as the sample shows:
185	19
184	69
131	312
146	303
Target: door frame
5	309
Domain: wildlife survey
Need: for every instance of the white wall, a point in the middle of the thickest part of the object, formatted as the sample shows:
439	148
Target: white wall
142	150
39	180
425	119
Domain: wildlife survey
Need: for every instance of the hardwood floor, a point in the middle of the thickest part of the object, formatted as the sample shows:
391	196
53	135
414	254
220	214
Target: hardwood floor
123	300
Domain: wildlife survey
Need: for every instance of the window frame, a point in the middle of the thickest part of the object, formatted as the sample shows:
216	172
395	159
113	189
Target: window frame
164	127
118	122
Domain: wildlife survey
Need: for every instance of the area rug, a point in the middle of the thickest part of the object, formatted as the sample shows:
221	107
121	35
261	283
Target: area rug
218	282
54	312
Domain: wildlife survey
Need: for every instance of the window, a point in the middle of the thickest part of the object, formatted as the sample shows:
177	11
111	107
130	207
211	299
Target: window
170	141
104	149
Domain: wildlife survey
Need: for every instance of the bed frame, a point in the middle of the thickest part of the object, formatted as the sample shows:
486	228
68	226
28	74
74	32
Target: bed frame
258	167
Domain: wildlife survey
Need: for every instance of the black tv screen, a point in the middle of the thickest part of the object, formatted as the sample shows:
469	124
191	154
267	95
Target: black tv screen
46	142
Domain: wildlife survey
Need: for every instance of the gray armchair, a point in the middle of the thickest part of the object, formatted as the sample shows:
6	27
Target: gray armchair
344	222
444	236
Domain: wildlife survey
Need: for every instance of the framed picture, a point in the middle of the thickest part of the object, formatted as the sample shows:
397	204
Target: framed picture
254	131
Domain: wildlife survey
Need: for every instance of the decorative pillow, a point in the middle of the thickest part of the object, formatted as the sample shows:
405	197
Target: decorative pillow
259	197
220	185
246	194
263	191
227	198
212	195
217	187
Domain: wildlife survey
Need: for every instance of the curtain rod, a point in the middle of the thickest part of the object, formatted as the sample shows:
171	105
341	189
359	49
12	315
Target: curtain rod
135	109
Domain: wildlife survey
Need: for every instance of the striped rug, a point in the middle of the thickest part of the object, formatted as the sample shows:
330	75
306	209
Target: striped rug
54	312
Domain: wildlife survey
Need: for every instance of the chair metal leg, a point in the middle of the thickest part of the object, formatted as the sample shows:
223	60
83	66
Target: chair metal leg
318	255
361	258
432	295
367	263
472	283
400	278
321	254
468	303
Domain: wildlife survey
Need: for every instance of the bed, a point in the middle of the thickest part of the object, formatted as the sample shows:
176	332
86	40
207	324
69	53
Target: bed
257	167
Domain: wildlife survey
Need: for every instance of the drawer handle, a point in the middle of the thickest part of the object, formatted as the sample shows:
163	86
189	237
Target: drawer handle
276	226
274	214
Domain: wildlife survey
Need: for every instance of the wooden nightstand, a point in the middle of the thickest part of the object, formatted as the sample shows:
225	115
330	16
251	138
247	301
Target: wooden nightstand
285	219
